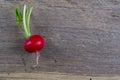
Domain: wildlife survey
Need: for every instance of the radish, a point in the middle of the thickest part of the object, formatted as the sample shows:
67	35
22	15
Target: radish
32	43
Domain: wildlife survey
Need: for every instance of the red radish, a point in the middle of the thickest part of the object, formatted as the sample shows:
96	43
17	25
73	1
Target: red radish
33	43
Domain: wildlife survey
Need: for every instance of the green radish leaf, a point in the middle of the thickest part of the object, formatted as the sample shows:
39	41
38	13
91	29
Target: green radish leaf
18	16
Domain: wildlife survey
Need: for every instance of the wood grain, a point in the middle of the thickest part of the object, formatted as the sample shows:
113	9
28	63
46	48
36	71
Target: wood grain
82	36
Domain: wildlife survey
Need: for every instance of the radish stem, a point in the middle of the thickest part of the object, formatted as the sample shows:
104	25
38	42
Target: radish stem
28	20
26	33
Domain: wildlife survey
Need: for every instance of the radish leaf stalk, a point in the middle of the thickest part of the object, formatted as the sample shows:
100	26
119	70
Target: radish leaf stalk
26	33
28	20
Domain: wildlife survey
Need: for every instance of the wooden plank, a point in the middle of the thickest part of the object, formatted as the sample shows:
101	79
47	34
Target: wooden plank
52	76
82	36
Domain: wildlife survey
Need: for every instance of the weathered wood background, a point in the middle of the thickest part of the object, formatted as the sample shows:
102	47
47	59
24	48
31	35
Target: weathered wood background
82	36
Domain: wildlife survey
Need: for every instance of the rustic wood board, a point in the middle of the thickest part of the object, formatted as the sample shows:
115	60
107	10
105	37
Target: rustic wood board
52	76
82	36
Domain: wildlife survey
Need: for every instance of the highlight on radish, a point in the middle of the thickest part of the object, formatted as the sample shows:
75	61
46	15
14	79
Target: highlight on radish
32	43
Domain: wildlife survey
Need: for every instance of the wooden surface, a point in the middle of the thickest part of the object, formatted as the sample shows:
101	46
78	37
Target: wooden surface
82	37
53	76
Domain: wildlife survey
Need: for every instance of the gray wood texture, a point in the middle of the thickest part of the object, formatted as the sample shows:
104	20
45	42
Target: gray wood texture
82	36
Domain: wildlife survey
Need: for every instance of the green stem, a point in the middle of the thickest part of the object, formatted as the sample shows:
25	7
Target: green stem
26	32
28	20
25	19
